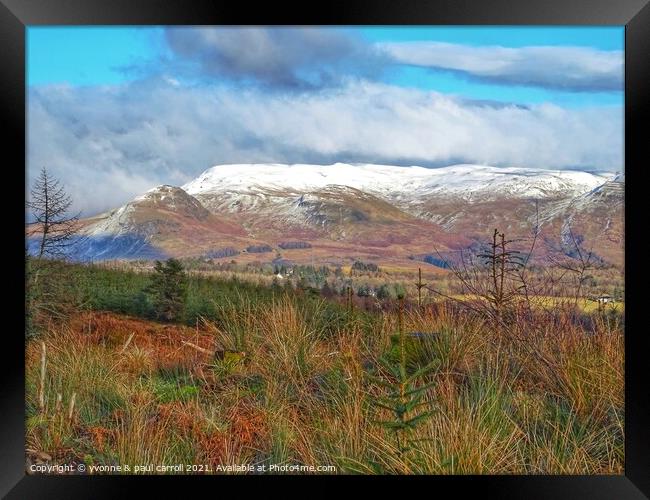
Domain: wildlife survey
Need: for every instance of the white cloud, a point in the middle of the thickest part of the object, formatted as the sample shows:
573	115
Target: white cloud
108	144
557	67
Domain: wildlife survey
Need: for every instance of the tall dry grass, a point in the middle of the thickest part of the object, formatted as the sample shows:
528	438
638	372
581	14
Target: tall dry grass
549	403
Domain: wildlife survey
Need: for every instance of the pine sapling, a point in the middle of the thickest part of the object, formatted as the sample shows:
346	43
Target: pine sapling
405	392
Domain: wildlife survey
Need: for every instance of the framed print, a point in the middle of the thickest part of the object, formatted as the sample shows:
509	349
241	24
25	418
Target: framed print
385	240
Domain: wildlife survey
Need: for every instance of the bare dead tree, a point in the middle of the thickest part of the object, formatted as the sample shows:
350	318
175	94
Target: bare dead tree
487	280
419	284
575	267
526	287
52	223
503	264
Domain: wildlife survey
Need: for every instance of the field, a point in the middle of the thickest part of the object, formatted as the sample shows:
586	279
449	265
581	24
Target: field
266	379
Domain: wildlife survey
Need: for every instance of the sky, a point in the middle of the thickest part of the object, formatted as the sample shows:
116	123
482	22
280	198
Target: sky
114	111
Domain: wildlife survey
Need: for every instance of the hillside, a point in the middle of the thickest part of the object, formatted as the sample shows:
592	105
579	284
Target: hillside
383	213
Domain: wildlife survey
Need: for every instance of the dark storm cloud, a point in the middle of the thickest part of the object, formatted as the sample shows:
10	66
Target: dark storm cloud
299	58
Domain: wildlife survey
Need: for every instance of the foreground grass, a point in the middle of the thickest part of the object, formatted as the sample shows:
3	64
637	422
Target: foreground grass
120	390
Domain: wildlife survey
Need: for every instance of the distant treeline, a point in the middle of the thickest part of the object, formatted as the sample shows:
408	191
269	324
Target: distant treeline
219	253
259	249
365	266
291	245
434	260
222	252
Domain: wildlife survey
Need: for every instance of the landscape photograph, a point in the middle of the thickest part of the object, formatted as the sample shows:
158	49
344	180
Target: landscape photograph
324	250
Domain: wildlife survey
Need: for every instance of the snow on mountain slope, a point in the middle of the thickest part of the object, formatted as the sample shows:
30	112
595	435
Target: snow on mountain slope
250	204
129	218
163	221
466	181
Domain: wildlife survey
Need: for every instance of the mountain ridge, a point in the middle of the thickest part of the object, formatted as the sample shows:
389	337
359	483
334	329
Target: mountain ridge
466	181
383	210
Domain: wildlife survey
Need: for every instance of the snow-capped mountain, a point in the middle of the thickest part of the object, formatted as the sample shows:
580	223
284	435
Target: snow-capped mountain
243	184
157	223
141	215
387	211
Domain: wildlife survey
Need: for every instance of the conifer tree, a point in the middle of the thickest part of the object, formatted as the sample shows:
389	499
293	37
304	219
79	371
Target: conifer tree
52	224
168	288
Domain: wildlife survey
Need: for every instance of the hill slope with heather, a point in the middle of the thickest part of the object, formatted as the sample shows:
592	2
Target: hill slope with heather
333	213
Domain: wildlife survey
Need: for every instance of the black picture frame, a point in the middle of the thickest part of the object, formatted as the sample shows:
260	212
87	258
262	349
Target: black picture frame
16	15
